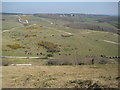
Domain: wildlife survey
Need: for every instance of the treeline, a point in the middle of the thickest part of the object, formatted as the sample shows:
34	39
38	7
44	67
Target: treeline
81	18
92	27
80	60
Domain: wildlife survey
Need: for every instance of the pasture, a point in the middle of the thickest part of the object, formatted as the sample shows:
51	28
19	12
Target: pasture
63	51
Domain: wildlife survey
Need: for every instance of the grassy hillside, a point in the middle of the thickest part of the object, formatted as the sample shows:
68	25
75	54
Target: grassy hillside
41	29
64	51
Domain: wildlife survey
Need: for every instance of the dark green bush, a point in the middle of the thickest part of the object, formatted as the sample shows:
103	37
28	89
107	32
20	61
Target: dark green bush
49	55
51	47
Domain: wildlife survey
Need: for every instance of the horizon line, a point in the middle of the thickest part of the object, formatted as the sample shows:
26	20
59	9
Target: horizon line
55	13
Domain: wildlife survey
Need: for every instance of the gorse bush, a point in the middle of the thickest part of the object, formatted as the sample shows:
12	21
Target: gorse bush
14	46
48	44
51	47
31	28
30	35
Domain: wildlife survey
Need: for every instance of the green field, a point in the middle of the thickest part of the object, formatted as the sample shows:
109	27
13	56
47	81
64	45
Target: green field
82	41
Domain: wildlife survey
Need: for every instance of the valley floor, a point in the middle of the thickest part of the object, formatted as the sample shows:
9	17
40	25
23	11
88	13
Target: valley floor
82	76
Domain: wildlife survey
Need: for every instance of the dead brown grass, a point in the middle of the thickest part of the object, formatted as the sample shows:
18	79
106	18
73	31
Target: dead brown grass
60	76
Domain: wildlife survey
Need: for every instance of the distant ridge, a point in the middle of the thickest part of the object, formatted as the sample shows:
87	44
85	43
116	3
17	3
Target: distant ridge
52	13
11	13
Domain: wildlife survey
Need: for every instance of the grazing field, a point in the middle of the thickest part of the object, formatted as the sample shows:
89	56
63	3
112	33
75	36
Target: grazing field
61	51
19	38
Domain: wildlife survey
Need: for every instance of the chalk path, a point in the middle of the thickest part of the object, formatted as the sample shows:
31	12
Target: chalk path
111	42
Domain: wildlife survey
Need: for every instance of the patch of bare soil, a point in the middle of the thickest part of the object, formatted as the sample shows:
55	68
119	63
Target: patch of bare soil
85	84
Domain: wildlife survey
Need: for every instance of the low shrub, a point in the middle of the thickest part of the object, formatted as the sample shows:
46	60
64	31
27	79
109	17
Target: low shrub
49	55
30	35
52	62
103	61
78	60
51	47
31	28
5	62
14	46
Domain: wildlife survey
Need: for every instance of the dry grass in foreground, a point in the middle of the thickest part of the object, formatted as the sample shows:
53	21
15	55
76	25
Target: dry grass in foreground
89	76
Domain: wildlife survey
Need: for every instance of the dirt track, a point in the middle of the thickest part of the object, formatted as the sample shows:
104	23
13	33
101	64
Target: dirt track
111	42
20	57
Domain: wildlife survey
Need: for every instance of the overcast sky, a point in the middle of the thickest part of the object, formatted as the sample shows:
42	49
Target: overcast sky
107	8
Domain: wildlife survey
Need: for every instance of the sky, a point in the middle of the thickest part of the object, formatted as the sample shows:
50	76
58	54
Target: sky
106	8
60	0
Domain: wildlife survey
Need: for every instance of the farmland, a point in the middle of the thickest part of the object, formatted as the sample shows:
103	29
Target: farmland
59	43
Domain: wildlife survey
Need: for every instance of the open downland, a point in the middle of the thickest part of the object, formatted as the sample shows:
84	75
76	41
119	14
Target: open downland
105	76
66	39
20	40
